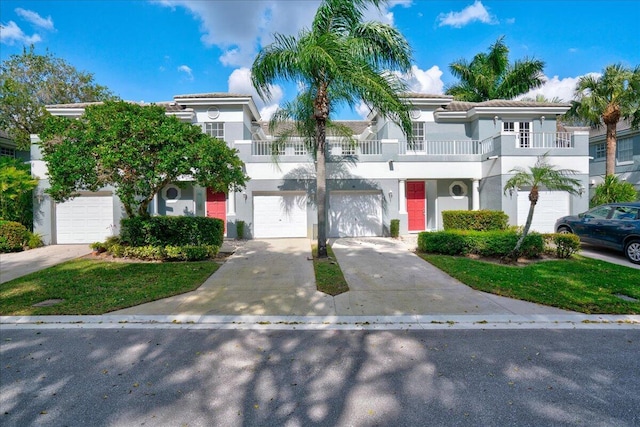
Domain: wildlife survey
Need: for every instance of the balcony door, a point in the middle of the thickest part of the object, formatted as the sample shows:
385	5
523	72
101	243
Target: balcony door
522	131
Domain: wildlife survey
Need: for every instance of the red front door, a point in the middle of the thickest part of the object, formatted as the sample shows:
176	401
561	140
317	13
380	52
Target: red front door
217	206
416	205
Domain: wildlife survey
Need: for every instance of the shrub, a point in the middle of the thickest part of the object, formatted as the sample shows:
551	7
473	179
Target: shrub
497	243
566	244
613	190
164	253
239	230
483	220
172	231
442	242
13	236
394	228
34	240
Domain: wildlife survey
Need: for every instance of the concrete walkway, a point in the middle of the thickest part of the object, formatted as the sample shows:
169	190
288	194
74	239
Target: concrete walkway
18	264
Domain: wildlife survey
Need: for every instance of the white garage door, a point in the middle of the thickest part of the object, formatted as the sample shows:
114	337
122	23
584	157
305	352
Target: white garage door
280	216
355	214
85	219
551	206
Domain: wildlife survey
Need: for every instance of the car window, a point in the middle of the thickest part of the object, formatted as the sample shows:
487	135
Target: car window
601	212
625	212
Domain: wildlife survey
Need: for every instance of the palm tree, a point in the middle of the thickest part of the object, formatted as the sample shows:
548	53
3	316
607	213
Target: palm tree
606	99
490	76
542	174
340	60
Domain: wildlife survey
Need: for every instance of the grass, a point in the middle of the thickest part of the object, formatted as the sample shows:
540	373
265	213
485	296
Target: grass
579	284
329	278
90	286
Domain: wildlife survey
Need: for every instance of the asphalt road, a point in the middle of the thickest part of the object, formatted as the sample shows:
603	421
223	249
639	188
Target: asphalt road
162	377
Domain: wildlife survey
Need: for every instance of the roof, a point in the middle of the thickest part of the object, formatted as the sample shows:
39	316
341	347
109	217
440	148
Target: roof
170	106
622	125
212	95
498	103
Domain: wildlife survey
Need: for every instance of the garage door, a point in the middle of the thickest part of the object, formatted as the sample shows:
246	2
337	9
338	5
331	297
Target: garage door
85	219
551	206
280	216
355	214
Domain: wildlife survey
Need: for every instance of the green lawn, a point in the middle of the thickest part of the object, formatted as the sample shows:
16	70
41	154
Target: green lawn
90	286
579	284
329	278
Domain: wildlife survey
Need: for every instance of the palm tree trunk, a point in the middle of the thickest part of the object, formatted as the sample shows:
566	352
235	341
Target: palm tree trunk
533	199
321	186
611	148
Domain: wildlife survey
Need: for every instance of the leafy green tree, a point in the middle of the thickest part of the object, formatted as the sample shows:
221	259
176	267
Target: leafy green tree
542	174
490	76
138	150
607	98
612	190
30	81
340	60
16	184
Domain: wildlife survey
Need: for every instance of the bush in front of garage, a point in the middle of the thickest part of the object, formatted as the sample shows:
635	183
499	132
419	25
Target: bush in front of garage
172	231
566	244
482	220
13	236
497	243
164	253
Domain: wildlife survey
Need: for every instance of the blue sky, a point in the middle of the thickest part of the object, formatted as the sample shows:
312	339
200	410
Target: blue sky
152	50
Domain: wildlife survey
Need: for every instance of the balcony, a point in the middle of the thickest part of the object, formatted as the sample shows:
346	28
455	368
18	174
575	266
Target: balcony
446	147
297	148
544	140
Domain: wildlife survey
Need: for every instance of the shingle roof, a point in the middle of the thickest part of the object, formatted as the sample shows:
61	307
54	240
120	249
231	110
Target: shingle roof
622	124
170	106
498	103
425	95
212	95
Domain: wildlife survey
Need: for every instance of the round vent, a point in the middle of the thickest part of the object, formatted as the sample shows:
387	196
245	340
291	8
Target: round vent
415	114
213	112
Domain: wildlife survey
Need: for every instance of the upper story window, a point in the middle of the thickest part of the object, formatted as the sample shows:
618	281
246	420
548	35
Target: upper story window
417	128
9	152
625	150
601	151
522	130
215	129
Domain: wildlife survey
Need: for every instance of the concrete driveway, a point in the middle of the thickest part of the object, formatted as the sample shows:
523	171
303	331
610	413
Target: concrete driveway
18	264
386	278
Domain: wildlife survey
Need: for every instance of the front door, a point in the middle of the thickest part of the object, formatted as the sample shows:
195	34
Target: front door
217	206
416	205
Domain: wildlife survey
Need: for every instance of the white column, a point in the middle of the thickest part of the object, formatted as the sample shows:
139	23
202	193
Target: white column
402	197
155	205
475	195
231	206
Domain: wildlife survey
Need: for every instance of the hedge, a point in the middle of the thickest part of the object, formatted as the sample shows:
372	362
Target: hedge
164	253
13	236
498	243
172	231
483	220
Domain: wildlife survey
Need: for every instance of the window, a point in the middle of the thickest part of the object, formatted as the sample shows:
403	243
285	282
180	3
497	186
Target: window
601	212
458	189
601	151
348	148
625	213
522	131
417	128
171	193
215	130
299	149
625	150
9	152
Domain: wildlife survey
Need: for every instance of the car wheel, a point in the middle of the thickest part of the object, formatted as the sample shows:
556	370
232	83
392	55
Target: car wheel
632	251
564	230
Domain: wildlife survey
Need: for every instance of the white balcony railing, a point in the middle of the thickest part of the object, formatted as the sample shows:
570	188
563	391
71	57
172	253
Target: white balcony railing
447	147
298	148
544	140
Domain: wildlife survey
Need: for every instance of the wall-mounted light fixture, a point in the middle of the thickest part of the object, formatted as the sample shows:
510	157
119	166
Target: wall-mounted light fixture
495	120
390	194
390	165
581	190
541	120
492	157
40	196
244	194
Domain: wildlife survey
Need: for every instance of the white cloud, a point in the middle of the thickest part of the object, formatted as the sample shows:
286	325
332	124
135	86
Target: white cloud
240	83
35	19
241	28
10	34
475	12
425	81
555	88
187	70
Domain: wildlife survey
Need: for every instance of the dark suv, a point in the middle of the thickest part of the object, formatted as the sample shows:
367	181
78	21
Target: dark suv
615	225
